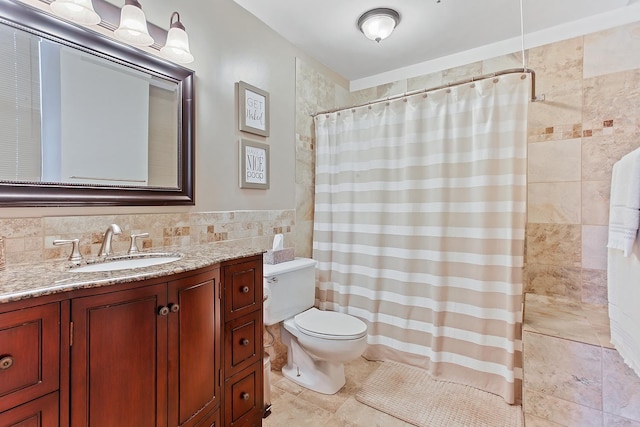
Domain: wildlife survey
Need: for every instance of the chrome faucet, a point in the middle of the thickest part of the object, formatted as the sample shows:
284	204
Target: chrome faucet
105	249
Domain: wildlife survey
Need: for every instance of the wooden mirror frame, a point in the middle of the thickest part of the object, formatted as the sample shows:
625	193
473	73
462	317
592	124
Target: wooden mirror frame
19	194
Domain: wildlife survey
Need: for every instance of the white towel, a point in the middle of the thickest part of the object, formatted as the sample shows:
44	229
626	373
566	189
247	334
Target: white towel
624	212
623	277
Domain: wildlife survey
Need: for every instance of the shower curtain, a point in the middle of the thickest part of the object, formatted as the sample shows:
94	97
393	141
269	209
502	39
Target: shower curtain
420	212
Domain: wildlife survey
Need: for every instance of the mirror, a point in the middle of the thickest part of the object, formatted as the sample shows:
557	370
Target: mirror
85	120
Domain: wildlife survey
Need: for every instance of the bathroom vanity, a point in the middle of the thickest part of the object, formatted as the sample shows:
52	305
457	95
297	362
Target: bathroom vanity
178	344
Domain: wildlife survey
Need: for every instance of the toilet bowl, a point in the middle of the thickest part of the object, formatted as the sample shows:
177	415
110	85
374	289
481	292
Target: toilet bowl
318	342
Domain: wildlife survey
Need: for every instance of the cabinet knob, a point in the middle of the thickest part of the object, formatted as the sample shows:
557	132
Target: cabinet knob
174	308
5	363
245	289
244	342
245	396
163	311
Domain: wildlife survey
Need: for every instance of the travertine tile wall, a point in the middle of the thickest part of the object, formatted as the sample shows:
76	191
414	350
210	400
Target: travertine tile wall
315	91
589	120
31	239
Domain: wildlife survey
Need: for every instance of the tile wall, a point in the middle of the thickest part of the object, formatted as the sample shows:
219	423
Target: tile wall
31	239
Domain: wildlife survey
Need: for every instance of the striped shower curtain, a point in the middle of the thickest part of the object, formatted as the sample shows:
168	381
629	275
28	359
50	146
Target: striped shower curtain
420	212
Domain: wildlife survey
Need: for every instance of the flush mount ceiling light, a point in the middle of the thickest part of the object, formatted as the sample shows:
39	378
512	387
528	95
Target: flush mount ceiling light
133	25
177	46
378	24
80	11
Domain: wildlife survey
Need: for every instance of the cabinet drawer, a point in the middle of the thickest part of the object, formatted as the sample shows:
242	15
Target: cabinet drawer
29	354
211	420
243	288
243	344
243	397
42	412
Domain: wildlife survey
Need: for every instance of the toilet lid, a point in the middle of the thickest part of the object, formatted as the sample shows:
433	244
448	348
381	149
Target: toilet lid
330	324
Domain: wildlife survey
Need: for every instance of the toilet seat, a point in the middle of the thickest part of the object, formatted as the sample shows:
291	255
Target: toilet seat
330	325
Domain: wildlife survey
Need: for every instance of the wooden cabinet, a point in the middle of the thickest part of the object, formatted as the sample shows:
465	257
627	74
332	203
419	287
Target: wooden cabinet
243	392
41	412
147	353
150	355
29	364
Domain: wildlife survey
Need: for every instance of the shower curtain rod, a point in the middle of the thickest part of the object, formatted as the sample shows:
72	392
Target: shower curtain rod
534	98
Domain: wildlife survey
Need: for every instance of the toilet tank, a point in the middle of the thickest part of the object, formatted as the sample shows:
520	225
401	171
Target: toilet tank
289	288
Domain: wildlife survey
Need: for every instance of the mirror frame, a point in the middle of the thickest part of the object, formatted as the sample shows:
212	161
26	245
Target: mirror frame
22	194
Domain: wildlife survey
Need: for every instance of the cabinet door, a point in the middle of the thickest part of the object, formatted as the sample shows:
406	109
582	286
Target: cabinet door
243	288
119	358
29	354
194	347
42	412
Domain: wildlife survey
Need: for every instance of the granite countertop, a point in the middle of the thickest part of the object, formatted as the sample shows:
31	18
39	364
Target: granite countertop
24	281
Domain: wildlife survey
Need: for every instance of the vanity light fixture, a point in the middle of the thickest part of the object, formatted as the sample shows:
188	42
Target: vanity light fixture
79	11
133	25
378	24
177	46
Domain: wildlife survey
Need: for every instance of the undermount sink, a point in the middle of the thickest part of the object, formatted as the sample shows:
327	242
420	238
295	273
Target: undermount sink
126	263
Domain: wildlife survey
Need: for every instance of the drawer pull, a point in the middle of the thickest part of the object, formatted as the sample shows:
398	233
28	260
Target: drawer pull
245	289
6	362
163	311
244	342
245	396
174	308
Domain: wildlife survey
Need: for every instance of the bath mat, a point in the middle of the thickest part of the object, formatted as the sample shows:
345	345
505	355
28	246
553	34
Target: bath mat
410	394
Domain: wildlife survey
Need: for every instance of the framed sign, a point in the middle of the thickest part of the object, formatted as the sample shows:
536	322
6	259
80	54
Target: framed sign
254	164
253	111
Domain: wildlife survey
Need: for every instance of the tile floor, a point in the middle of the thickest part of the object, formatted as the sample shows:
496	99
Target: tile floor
294	406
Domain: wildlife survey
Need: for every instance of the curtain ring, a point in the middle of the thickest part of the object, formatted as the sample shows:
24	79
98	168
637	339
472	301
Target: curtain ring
472	85
496	80
523	76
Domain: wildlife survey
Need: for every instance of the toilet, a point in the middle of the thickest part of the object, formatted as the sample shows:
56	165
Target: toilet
318	342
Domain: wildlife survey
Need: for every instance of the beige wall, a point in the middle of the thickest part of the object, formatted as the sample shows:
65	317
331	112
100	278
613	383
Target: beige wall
229	45
590	118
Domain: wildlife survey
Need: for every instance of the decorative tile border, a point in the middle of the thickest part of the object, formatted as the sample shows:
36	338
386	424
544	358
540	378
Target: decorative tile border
33	243
576	130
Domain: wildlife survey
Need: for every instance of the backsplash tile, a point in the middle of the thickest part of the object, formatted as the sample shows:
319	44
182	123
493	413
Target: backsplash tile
31	239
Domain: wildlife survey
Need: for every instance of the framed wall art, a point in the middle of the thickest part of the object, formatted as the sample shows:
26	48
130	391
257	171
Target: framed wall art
254	164
253	110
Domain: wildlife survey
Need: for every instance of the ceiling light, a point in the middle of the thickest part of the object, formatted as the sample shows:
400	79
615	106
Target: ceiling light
378	24
133	25
177	46
80	11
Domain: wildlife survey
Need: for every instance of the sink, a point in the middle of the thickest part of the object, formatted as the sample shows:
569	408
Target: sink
126	263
